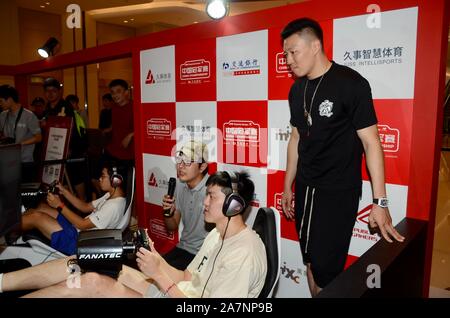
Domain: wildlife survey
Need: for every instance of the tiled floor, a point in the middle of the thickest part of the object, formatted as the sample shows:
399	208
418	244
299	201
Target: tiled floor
440	270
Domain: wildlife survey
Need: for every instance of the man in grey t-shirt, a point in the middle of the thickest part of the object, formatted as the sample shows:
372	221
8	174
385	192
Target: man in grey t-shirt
187	205
19	125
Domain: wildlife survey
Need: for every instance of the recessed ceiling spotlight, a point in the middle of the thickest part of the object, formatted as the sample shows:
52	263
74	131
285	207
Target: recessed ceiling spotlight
42	6
217	9
125	21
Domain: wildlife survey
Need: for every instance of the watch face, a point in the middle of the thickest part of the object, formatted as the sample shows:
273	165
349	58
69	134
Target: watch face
383	202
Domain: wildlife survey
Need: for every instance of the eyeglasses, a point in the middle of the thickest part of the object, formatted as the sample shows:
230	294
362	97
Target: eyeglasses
183	160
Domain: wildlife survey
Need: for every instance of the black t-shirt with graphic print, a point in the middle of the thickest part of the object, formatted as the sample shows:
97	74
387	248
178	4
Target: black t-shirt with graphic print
330	151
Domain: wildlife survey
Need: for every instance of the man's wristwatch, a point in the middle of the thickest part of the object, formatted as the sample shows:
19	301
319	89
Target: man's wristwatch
60	207
382	202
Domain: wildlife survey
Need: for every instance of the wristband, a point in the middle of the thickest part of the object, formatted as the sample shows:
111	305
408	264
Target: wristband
169	288
60	207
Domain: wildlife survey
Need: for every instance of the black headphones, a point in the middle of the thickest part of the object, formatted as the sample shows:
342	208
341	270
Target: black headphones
234	203
115	178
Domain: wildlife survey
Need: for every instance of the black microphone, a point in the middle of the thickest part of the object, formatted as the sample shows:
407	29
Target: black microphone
170	193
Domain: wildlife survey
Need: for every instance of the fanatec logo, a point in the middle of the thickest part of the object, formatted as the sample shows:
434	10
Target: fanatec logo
101	256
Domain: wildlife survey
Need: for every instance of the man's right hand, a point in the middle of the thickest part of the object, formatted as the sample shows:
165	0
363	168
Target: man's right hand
287	204
61	189
168	203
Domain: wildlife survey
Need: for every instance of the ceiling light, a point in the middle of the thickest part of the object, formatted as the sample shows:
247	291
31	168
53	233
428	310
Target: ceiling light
125	21
217	9
42	6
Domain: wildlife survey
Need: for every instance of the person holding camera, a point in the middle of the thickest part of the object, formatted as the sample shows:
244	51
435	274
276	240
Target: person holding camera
231	262
187	204
19	126
61	225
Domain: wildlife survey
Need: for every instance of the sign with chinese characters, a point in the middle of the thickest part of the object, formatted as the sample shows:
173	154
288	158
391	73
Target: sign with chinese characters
385	56
242	66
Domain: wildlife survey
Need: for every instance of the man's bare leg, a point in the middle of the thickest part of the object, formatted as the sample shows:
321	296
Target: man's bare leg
313	288
36	277
44	207
41	221
91	285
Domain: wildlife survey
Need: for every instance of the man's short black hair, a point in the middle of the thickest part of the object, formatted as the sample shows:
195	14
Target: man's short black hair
108	97
246	187
7	91
302	26
118	82
72	98
52	82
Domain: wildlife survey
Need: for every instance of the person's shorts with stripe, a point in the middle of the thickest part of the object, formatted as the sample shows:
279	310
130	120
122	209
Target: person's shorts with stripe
325	219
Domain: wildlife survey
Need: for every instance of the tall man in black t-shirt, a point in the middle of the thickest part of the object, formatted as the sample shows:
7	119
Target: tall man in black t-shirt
333	121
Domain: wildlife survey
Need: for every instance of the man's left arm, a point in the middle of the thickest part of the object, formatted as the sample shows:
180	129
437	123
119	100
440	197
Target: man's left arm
379	217
33	140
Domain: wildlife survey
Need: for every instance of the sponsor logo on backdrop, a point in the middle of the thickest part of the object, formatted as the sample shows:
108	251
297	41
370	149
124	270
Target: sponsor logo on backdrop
361	229
374	56
241	131
152	180
193	71
283	134
157	179
281	64
292	274
158	228
363	215
247	66
197	131
389	137
158	78
150	79
159	127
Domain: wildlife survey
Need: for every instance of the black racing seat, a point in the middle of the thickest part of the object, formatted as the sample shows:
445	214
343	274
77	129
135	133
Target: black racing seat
267	225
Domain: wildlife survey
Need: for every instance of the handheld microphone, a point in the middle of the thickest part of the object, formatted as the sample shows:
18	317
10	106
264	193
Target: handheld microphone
170	193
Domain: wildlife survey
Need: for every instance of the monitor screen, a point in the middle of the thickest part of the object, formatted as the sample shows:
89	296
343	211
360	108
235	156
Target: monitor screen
10	177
